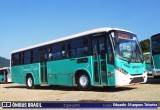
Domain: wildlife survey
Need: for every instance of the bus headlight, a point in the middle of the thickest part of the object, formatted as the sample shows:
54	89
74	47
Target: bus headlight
122	70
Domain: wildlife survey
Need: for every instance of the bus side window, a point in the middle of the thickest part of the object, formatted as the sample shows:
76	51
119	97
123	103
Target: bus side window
56	52
69	51
50	54
102	47
77	48
63	52
109	51
22	58
94	48
16	59
31	59
27	57
35	55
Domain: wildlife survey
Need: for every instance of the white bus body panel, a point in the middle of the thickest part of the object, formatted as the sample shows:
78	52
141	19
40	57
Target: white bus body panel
9	78
122	79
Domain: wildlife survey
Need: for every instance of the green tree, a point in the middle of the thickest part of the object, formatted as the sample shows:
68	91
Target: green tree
4	62
145	45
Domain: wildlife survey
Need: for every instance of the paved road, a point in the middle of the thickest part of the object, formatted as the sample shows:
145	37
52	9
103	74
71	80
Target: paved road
142	92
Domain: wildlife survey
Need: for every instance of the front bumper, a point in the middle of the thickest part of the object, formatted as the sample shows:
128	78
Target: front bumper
156	72
122	79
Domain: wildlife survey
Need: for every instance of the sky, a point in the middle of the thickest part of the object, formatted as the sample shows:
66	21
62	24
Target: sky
25	23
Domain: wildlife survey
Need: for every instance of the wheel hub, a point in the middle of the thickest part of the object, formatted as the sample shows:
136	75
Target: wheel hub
30	82
83	81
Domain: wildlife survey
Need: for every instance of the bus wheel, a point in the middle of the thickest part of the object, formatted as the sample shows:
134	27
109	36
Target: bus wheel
30	82
83	82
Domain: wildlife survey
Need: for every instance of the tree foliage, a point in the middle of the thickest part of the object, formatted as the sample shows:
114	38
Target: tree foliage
4	62
145	45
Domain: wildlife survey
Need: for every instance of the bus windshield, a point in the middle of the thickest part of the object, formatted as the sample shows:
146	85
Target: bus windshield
127	47
147	58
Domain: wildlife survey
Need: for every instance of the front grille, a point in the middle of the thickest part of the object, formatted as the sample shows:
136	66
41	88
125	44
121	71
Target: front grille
135	74
135	66
157	71
137	80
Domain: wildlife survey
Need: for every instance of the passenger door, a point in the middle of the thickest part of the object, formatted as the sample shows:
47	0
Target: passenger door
99	58
43	65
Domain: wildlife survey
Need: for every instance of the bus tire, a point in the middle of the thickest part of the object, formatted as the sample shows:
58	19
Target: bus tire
83	82
30	82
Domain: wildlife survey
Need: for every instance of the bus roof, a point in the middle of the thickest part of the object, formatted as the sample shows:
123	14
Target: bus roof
4	68
155	35
105	29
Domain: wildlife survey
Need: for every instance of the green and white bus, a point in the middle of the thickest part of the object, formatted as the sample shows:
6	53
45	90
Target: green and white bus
147	57
104	56
5	75
155	51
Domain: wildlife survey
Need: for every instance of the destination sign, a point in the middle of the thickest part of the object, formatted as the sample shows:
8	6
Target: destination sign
123	35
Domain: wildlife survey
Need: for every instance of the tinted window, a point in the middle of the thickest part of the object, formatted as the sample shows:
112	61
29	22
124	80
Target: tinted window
35	56
43	54
16	59
77	47
56	47
56	52
110	57
1	72
63	52
27	57
156	44
102	47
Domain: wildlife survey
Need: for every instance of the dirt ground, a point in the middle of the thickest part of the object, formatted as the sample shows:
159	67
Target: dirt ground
142	92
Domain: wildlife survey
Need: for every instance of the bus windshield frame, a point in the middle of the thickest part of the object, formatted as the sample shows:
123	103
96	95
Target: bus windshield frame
127	47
